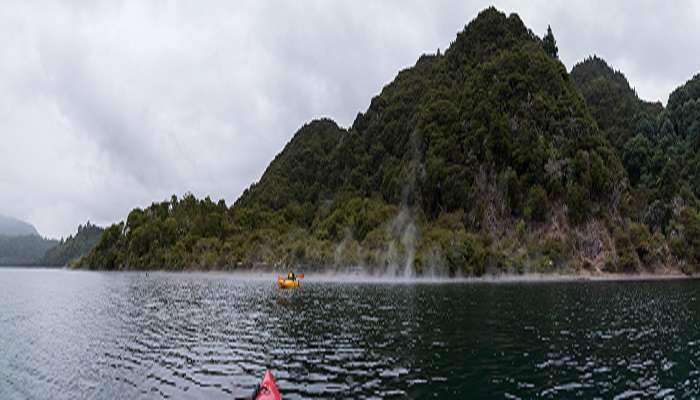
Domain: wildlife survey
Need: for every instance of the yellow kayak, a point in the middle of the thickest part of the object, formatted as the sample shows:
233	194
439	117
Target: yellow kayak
286	283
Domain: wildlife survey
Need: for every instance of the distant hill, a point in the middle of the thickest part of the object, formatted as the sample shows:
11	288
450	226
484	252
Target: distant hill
24	247
20	243
23	250
13	227
73	247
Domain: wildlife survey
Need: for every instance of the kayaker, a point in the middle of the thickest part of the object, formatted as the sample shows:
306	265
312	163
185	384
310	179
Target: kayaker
291	276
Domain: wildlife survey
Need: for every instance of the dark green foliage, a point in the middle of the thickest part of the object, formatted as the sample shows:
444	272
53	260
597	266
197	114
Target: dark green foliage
557	251
659	149
550	44
355	217
685	239
658	146
487	35
460	252
578	203
684	109
537	204
74	247
179	233
300	173
636	156
627	260
613	103
650	248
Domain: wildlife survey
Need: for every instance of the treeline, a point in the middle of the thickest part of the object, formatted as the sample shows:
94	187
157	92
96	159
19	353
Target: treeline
489	157
175	233
73	247
34	250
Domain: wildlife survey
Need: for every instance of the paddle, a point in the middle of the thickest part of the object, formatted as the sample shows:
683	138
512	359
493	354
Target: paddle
300	276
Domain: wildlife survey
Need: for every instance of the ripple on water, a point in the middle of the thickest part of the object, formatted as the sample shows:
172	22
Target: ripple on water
211	336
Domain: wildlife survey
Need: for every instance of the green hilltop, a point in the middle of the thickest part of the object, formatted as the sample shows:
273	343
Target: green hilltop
487	158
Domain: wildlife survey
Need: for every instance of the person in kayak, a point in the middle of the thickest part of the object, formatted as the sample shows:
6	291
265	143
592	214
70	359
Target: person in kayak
291	276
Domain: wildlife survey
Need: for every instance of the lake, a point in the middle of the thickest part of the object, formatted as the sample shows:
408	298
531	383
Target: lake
71	334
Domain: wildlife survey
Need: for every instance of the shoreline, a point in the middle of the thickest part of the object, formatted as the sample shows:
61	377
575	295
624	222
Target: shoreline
313	276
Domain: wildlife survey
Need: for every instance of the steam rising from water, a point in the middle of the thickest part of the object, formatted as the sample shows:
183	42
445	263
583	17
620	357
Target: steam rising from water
397	260
403	227
403	232
359	275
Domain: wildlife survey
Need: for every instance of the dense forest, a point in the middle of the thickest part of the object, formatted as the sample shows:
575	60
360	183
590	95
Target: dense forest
72	248
487	158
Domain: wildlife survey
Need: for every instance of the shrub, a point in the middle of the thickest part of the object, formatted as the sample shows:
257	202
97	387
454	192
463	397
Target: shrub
627	260
537	204
641	240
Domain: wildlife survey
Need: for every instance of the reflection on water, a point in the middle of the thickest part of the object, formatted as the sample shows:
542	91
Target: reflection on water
71	335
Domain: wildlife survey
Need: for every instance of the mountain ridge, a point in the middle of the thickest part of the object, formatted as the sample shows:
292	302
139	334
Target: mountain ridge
490	157
10	226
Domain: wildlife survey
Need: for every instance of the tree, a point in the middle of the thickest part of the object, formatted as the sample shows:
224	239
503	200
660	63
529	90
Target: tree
550	44
686	242
636	155
537	204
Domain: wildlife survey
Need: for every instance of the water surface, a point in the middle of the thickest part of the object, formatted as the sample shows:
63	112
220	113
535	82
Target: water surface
69	334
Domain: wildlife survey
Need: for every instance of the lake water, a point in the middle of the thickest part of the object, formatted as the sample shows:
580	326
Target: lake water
67	334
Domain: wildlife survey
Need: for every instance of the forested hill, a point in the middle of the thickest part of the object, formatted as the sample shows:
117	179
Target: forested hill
23	250
483	158
73	247
613	103
659	149
20	243
34	250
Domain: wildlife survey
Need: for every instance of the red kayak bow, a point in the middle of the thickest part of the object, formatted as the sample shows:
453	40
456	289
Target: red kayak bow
268	388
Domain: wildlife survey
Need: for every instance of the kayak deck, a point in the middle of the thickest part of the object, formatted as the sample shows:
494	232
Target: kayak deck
267	390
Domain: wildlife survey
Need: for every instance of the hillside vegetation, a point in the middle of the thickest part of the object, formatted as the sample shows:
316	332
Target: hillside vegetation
659	150
72	248
489	157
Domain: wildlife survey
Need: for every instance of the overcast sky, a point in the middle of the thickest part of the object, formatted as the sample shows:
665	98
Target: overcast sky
109	105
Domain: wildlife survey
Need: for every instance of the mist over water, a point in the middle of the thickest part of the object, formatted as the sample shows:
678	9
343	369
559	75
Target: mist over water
397	260
400	258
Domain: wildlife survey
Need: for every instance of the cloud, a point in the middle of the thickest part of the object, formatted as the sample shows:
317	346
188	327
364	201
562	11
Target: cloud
108	105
